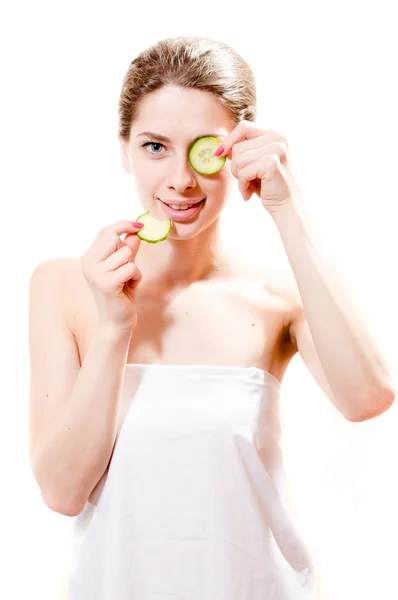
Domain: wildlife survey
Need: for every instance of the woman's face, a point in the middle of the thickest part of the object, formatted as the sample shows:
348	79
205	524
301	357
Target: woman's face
167	124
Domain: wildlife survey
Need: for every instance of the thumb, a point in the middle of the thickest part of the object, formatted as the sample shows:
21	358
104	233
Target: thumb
133	241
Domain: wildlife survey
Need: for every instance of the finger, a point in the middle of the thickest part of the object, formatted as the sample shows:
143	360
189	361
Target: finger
273	182
253	171
244	188
121	257
133	242
241	160
108	240
264	169
262	141
122	226
244	130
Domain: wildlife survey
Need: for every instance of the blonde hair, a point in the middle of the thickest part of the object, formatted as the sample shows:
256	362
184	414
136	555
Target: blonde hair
189	62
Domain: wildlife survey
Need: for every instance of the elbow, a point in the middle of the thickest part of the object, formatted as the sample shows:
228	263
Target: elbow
67	507
373	407
66	510
63	508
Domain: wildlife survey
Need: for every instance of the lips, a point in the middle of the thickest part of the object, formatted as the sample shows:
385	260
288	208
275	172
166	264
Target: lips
182	215
182	203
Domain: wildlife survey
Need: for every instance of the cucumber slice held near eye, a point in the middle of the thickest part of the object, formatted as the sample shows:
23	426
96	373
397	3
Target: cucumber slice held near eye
201	156
154	230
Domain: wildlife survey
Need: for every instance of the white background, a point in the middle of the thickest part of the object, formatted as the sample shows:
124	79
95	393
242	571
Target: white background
326	75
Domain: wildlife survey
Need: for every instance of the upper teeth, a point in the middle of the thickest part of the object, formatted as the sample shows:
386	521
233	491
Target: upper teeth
181	206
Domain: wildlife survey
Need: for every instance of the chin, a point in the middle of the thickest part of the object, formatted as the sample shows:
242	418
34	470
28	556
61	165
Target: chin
185	232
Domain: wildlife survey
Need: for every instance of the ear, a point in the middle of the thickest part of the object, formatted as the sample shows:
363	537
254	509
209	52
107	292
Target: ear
124	155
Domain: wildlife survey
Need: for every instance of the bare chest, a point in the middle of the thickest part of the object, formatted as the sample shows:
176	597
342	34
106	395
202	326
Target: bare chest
232	324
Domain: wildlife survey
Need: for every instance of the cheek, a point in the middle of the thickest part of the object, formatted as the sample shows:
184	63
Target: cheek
146	174
225	175
223	181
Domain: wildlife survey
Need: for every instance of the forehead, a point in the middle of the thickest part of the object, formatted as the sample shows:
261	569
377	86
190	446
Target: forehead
170	110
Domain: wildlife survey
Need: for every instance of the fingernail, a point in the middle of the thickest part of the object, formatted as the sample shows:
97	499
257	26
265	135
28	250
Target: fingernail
138	224
219	151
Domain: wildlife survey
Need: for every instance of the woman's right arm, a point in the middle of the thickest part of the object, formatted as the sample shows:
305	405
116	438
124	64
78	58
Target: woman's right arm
73	410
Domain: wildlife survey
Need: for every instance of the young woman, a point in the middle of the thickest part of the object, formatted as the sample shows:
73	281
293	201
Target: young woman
155	383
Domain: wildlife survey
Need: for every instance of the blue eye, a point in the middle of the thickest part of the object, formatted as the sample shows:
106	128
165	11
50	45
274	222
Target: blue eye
153	144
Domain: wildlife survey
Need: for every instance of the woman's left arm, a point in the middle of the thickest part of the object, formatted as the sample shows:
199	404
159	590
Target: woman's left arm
333	341
326	327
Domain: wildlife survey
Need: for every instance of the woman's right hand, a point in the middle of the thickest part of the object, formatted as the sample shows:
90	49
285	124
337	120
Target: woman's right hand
112	275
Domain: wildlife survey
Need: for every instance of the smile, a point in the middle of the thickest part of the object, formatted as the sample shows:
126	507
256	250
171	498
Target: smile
182	212
182	206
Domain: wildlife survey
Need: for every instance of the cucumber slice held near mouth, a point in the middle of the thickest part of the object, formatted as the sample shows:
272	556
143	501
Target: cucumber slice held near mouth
154	230
201	156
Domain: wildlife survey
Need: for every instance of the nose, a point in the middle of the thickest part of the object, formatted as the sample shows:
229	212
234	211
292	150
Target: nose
181	175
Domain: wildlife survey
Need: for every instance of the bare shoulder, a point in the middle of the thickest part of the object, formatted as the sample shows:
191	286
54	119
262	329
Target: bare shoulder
58	266
274	290
53	270
67	279
274	281
282	283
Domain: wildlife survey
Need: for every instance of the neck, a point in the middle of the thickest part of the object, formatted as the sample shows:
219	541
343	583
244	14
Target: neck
180	263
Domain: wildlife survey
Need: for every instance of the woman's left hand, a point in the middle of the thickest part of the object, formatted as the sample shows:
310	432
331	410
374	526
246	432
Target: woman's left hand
260	162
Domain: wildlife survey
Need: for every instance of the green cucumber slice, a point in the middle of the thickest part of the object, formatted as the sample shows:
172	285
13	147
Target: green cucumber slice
154	230
201	156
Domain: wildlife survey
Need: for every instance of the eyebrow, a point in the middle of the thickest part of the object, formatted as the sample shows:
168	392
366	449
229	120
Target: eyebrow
163	138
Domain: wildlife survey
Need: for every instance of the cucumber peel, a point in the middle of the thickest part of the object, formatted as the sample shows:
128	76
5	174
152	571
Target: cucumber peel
154	230
201	156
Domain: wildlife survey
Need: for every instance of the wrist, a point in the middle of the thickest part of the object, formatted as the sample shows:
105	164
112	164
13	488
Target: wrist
115	332
287	215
